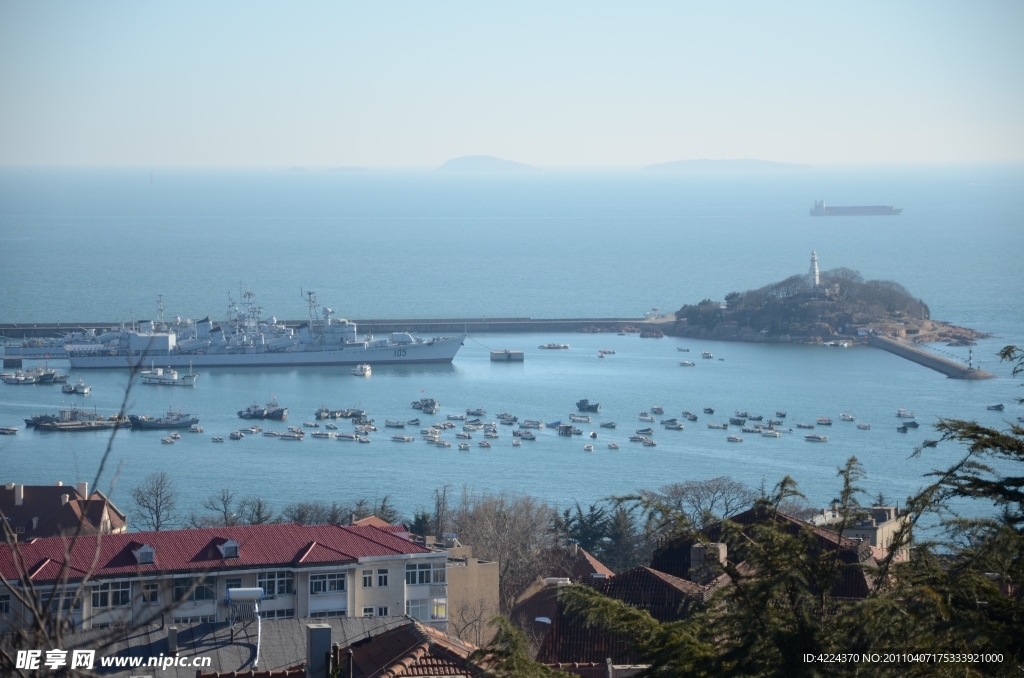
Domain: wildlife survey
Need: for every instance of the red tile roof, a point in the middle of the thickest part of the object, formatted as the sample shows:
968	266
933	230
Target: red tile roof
410	650
44	504
280	544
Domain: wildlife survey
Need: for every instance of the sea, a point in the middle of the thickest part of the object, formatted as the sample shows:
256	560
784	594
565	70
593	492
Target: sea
88	245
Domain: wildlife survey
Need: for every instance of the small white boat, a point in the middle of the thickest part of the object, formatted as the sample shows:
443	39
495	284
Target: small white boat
588	448
718	426
310	424
674	427
78	388
903	414
580	418
657	409
332	427
484	443
554	346
516	442
687	363
477	412
165	376
527	435
706	355
531	423
864	427
734	439
646	417
684	350
491	434
843	416
816	438
463	435
401	439
769	433
323	434
236	435
650	443
442	443
8	430
362	370
996	408
195	428
388	423
463	446
167	440
457	417
364	439
613	446
217	439
606	351
608	424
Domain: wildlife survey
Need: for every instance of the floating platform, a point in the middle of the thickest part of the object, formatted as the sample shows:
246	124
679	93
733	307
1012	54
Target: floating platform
507	356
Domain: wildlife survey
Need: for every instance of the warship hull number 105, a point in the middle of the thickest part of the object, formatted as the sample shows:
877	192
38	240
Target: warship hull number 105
245	339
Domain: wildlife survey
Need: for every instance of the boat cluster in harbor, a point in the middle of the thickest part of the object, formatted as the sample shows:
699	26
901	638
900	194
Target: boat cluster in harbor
35	375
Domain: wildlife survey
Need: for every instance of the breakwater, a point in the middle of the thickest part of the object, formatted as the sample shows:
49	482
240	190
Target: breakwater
428	326
951	369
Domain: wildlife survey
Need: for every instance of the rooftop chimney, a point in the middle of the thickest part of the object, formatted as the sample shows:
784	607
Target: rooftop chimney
60	483
83	489
64	499
172	639
9	486
19	494
318	645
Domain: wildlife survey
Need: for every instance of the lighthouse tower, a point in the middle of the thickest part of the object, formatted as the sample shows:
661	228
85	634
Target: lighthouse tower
812	276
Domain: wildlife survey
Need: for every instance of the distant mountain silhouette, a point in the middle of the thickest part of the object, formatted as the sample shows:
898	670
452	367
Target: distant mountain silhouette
725	165
484	163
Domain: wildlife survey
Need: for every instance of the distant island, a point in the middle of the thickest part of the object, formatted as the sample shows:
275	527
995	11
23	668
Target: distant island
816	307
738	165
484	163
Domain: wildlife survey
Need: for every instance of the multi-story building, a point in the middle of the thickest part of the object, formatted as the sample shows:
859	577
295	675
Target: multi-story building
183	576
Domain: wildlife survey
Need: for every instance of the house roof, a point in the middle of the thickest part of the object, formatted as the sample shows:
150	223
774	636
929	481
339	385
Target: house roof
663	596
45	505
280	544
673	557
412	649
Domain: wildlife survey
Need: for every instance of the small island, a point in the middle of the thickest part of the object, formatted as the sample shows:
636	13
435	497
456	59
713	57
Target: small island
819	307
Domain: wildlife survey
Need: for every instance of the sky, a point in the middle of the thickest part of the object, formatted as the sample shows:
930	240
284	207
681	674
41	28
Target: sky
567	84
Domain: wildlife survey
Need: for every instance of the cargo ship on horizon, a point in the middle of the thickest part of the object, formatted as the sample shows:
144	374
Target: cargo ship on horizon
821	210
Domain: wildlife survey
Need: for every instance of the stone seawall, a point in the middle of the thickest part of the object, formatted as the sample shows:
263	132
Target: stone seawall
951	369
427	326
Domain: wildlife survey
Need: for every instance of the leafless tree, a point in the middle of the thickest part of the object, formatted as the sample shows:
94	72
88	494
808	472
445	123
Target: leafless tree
469	620
255	511
704	501
156	504
512	529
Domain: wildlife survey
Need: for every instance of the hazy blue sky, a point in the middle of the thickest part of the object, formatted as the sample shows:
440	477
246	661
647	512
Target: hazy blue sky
552	84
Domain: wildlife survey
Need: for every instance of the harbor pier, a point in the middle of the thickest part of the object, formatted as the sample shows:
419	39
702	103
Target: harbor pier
951	369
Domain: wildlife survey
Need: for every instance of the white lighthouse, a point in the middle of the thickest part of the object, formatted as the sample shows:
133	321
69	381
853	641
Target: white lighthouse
812	276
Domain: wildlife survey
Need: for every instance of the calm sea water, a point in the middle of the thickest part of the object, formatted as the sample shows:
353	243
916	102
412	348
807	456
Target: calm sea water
101	245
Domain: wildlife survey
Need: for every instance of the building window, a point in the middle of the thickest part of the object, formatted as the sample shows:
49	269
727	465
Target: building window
5	603
427	609
439	572
121	594
150	593
276	583
328	613
332	582
101	596
196	619
382	611
368	611
194	589
382	578
278	614
62	600
233	583
417	574
367	579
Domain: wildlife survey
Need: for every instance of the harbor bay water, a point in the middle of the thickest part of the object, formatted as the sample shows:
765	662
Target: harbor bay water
101	245
806	382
